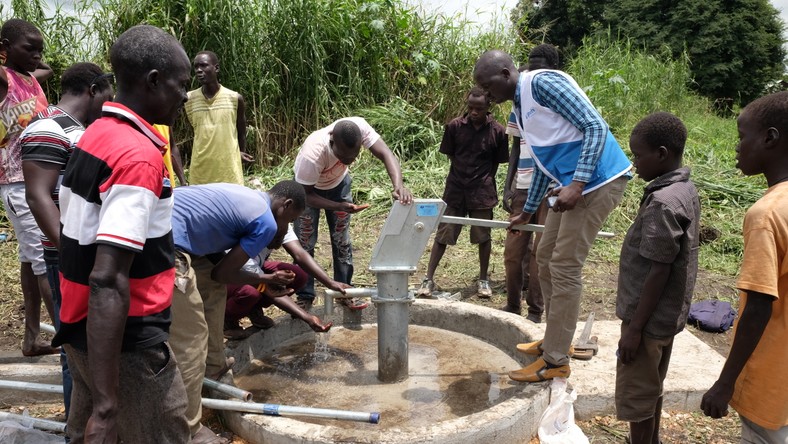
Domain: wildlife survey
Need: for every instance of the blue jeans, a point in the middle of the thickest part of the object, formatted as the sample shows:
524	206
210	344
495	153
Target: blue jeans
53	276
306	227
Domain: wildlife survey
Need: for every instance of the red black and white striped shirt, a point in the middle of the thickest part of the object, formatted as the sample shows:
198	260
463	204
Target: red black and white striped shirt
116	191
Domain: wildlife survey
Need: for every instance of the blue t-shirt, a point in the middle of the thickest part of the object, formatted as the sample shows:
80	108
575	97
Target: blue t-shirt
212	218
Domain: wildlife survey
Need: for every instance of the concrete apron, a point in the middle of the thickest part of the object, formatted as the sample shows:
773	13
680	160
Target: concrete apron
507	422
693	369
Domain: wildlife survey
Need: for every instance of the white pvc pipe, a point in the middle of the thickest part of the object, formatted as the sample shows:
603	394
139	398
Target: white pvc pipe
41	424
349	293
46	328
30	386
284	410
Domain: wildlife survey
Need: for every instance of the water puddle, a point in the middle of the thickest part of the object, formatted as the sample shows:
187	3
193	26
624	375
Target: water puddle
450	375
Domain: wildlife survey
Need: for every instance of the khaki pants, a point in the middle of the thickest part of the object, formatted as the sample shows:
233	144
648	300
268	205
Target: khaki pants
562	251
196	333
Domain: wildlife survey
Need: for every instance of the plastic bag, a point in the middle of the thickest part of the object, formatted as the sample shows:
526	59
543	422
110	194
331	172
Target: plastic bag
11	432
557	425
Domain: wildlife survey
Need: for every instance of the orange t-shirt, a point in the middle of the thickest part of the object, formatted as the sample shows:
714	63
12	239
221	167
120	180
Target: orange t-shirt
760	393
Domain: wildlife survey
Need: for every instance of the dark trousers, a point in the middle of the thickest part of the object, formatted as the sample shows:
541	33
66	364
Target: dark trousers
306	227
53	276
520	260
152	398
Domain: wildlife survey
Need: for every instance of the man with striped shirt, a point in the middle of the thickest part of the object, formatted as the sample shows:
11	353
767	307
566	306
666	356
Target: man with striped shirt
572	146
47	144
117	254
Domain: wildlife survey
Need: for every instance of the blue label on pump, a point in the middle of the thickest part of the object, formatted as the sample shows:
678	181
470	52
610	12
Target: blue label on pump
427	210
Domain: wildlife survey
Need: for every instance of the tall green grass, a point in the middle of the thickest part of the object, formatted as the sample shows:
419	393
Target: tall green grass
626	84
300	64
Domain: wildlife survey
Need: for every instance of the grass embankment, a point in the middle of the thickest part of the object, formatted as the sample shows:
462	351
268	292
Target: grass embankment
625	85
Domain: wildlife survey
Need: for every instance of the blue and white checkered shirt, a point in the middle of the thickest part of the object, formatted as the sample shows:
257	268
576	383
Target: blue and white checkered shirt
553	91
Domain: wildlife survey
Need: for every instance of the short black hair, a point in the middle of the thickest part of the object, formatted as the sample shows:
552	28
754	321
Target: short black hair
477	91
14	28
771	111
139	50
79	77
663	129
544	51
348	133
290	189
211	56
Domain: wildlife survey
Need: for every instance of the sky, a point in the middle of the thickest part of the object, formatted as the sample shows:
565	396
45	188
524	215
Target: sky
483	13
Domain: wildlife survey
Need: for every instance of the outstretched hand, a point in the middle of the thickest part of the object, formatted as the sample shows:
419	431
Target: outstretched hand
353	208
246	157
318	326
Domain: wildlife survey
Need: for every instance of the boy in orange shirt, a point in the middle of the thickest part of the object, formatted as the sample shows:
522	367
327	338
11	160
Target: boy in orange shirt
751	380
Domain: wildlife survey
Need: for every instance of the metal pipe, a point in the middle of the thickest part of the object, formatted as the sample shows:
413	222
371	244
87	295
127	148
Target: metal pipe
46	328
349	293
504	224
41	424
30	386
285	410
393	304
229	390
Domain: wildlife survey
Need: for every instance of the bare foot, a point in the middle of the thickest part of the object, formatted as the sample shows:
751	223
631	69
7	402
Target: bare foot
39	349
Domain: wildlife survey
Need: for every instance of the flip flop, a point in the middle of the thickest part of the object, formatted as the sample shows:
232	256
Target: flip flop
354	303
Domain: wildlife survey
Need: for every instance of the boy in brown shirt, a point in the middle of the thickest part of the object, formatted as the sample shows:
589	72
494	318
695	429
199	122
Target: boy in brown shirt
476	144
658	266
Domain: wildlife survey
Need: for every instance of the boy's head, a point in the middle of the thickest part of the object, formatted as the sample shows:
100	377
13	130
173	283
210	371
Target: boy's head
23	45
544	56
763	137
657	145
89	85
478	103
288	201
153	71
345	141
206	67
495	73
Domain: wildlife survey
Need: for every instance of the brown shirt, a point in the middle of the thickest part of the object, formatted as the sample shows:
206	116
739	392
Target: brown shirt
665	230
475	155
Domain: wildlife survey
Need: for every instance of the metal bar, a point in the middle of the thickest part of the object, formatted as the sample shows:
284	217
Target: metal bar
392	326
38	423
285	410
503	224
46	328
227	389
349	293
30	386
353	293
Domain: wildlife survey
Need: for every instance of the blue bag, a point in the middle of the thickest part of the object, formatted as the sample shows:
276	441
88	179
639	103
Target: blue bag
712	315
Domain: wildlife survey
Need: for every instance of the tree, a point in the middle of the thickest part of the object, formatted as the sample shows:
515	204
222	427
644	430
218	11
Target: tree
735	46
562	23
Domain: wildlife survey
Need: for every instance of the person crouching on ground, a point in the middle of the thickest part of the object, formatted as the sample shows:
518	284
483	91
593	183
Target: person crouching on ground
246	300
